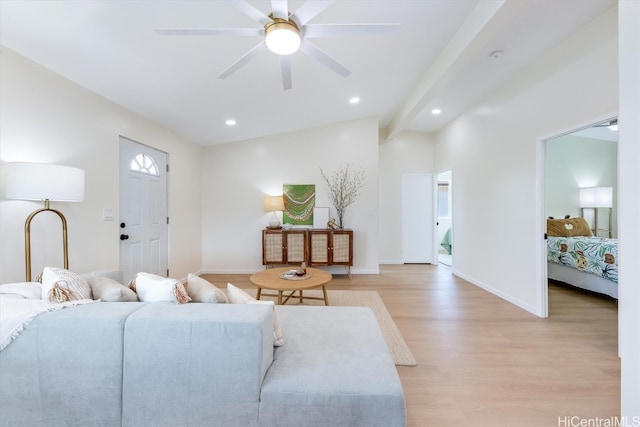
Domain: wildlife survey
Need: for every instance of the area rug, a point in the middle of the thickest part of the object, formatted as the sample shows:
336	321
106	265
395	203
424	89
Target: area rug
398	348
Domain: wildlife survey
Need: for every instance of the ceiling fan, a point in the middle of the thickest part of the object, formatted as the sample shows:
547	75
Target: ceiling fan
285	33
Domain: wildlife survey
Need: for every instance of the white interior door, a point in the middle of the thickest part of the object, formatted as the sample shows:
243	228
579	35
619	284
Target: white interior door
417	218
144	227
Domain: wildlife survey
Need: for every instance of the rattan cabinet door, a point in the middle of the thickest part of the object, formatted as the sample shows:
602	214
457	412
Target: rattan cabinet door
296	246
272	247
320	247
342	247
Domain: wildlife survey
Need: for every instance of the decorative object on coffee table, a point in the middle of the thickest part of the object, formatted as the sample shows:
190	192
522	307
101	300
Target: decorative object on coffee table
344	187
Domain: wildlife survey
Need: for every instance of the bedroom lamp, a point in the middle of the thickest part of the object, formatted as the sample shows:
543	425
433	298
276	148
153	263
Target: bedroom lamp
595	198
49	183
274	204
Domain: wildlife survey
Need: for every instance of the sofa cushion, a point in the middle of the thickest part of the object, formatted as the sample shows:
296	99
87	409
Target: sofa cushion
201	290
65	368
60	285
108	290
238	296
195	364
335	370
153	288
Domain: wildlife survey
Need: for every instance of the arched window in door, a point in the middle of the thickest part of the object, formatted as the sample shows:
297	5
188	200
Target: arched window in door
144	163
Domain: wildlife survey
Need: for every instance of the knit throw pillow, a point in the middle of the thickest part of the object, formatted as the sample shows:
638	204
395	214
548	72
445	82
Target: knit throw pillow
151	287
60	285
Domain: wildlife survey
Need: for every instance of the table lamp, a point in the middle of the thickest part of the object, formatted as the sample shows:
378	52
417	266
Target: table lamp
49	183
274	204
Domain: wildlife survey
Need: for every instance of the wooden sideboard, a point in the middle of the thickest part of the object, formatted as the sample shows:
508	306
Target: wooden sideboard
315	247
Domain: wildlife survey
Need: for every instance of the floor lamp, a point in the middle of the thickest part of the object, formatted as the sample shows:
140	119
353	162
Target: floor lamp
48	183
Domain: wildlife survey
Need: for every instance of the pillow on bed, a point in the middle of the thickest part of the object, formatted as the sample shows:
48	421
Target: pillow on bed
568	227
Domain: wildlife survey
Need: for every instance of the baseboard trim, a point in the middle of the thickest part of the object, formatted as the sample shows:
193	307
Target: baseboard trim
497	292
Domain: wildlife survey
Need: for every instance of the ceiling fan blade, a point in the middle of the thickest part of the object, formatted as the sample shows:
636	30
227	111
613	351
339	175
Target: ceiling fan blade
251	12
239	32
285	65
309	10
255	51
316	53
342	30
279	9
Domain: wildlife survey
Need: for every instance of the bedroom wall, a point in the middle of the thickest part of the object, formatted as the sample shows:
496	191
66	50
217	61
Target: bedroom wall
408	153
574	162
237	177
492	151
47	118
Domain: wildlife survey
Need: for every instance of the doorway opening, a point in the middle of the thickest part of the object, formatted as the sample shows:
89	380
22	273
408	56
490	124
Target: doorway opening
444	218
574	162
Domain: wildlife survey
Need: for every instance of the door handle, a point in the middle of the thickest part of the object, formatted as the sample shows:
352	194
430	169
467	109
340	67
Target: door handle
124	236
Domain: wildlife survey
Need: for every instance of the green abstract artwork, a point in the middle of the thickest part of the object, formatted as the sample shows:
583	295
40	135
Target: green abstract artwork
299	201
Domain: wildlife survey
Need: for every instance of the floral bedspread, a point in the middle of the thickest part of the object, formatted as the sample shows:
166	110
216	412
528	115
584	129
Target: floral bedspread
596	255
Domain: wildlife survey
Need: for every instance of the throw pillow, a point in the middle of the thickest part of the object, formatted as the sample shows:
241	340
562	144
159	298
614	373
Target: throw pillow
60	285
109	290
201	290
29	290
238	296
151	287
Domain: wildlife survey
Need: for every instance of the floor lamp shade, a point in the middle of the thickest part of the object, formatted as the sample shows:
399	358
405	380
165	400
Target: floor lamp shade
39	181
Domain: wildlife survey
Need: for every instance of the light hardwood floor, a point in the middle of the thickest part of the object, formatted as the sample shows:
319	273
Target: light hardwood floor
485	362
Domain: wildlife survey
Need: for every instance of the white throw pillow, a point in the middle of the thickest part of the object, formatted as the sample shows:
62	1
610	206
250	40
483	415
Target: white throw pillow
60	285
151	287
201	290
109	290
238	296
29	290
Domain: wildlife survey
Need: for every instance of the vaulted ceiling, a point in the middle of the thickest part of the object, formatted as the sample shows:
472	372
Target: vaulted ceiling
446	54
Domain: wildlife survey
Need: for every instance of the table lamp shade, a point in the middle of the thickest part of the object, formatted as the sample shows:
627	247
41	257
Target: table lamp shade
40	181
273	203
596	197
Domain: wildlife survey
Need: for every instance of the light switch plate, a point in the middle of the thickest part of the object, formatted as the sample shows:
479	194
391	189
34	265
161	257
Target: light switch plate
107	214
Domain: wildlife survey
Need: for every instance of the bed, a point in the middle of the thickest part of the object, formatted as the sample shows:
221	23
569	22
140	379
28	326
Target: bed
577	258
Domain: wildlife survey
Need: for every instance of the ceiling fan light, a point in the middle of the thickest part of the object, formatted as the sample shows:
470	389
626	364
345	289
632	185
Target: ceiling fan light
282	37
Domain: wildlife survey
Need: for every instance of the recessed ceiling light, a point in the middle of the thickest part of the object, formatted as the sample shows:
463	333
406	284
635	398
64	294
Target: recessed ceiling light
230	122
436	111
354	100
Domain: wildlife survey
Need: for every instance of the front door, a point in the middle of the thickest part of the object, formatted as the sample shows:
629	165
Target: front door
144	219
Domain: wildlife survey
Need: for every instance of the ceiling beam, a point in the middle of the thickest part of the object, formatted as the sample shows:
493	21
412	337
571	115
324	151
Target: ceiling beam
477	31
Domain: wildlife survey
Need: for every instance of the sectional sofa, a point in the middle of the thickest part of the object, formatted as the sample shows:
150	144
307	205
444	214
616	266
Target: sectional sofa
158	364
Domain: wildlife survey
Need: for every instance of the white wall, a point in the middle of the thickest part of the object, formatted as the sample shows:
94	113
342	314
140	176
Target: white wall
237	177
491	150
408	153
575	162
46	118
629	208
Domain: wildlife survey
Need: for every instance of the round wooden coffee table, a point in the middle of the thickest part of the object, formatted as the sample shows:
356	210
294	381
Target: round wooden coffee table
271	279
